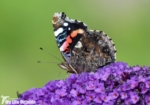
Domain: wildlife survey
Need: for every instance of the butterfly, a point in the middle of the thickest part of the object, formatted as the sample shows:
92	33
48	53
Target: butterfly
82	49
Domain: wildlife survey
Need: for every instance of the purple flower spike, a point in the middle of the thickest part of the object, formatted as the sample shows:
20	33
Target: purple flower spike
61	92
147	83
60	83
123	95
114	84
134	97
98	99
74	93
90	85
147	99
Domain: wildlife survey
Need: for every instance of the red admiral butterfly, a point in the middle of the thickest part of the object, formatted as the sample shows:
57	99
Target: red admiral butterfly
83	50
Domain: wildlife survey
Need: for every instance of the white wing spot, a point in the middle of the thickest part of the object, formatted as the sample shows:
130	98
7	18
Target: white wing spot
65	24
79	21
58	31
78	45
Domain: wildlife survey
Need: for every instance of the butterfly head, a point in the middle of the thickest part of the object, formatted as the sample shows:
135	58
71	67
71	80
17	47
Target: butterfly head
58	18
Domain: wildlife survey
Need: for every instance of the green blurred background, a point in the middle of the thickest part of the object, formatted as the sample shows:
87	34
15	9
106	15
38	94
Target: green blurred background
25	25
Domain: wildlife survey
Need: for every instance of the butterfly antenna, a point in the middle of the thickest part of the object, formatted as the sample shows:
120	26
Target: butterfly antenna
67	74
46	62
50	54
50	62
59	74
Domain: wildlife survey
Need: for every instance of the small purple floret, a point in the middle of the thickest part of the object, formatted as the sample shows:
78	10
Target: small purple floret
114	84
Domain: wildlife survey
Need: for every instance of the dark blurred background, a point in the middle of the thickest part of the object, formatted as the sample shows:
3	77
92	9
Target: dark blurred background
25	25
